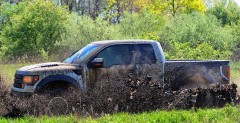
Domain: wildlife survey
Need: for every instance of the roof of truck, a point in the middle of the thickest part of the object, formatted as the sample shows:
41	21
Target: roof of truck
123	41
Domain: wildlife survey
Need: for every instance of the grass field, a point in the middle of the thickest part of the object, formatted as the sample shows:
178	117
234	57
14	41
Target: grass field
221	115
7	71
229	114
235	72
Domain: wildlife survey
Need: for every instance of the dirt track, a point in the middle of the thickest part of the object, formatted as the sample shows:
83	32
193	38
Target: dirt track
118	94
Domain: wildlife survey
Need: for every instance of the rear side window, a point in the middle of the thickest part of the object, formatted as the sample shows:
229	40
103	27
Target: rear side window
146	54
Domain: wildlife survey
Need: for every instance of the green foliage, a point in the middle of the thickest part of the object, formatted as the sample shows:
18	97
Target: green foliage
172	7
201	51
197	30
82	30
36	28
42	28
236	33
228	15
7	11
140	25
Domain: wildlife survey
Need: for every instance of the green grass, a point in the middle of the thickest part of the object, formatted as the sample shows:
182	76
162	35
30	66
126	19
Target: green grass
7	71
235	72
229	114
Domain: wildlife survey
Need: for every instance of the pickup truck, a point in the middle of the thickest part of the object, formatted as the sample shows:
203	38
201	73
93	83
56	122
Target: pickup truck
117	57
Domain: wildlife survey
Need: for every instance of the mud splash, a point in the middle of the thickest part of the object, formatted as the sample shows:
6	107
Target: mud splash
138	95
116	94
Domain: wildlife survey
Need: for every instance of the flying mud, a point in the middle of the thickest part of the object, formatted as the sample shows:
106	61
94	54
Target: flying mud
116	94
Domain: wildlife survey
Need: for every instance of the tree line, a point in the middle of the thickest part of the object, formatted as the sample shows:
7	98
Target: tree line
187	29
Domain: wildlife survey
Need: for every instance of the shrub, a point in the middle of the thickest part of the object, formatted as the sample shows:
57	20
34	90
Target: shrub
202	51
82	30
140	25
35	29
197	31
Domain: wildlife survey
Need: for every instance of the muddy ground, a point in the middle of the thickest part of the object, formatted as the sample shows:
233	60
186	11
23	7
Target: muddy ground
115	94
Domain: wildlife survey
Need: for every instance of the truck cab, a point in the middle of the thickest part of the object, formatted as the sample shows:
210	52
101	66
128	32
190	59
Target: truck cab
89	64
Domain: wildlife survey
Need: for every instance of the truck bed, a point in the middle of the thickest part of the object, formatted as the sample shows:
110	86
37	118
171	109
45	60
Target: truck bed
192	73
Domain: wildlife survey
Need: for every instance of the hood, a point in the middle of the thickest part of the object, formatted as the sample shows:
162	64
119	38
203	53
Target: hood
48	66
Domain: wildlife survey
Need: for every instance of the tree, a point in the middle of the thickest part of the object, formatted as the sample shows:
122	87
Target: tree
34	30
140	25
228	14
85	7
176	6
114	10
197	29
82	30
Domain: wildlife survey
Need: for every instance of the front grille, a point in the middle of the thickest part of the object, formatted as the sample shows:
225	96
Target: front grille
18	81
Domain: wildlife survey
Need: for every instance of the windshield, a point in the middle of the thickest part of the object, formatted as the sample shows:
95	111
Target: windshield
82	53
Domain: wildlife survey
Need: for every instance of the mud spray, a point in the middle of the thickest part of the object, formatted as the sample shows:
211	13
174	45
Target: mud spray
115	94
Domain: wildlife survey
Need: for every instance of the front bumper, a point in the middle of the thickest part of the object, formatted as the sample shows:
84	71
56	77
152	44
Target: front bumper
27	88
20	94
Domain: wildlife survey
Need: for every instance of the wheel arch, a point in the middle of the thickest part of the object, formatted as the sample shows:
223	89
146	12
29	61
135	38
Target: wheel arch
57	79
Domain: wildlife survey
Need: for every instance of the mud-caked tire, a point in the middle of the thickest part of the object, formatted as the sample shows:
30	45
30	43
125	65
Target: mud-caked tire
63	101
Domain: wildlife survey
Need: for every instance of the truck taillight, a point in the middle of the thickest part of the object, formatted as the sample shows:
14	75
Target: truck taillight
229	71
225	71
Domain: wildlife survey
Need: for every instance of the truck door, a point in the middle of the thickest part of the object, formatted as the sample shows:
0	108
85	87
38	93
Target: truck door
148	63
121	60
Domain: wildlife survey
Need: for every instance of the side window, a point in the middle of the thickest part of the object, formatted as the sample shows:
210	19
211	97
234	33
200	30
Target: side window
116	55
146	54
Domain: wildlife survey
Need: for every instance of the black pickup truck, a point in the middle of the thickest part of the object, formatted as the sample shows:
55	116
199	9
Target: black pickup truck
110	58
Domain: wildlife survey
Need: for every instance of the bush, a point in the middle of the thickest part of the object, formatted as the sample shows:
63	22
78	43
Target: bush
41	28
198	32
202	51
33	30
82	30
141	25
226	15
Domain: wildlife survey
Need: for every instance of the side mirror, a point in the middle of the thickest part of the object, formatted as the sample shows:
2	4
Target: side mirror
97	63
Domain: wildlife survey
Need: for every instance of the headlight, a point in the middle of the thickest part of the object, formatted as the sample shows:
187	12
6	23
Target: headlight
30	79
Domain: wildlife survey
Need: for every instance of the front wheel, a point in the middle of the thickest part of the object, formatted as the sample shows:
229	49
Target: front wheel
61	101
58	106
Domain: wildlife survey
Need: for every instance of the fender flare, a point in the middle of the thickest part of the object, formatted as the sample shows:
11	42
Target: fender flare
53	78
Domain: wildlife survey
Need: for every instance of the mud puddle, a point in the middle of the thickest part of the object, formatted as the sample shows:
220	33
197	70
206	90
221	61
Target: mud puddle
116	94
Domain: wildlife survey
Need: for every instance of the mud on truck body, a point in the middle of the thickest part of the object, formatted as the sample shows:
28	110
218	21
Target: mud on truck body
139	57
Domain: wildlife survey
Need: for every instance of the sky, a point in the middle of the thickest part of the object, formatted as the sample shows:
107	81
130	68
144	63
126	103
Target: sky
238	2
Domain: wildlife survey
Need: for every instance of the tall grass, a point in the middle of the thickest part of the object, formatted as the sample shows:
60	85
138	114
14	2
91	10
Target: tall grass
235	72
7	71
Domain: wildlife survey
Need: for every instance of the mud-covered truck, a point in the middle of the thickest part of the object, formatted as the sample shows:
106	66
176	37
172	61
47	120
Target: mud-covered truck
114	57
